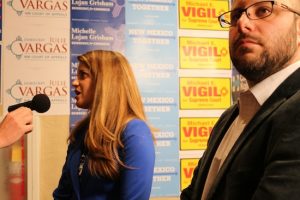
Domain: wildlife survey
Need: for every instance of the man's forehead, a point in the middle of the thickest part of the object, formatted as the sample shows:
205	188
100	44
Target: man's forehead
245	3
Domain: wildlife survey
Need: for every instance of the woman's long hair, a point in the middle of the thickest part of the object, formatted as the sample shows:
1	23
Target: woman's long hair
116	101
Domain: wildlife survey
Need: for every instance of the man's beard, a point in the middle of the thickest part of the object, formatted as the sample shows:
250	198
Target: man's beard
269	61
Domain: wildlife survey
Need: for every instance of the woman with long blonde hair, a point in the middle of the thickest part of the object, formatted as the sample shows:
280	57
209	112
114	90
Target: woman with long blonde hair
111	152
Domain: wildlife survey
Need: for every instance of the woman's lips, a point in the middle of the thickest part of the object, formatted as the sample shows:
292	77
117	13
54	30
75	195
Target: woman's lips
77	92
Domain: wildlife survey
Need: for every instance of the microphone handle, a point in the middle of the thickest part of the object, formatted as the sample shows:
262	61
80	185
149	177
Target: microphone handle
27	104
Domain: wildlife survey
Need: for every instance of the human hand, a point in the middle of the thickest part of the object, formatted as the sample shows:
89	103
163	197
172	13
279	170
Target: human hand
15	125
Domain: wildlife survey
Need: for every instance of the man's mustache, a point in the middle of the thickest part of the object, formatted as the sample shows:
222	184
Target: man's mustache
245	37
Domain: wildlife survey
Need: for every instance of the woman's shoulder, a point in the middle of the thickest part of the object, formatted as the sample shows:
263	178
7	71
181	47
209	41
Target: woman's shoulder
138	142
136	127
135	123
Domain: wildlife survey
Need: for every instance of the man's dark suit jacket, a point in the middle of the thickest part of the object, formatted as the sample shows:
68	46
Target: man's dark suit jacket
264	163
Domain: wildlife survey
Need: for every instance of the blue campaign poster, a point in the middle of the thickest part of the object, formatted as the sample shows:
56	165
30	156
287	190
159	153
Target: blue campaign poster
152	48
87	36
94	25
150	12
145	31
105	11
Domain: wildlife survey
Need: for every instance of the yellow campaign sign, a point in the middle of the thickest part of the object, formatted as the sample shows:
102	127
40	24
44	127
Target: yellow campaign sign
187	167
204	53
194	132
204	93
195	14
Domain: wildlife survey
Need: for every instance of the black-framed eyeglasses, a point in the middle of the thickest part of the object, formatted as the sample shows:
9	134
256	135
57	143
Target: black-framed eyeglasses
255	11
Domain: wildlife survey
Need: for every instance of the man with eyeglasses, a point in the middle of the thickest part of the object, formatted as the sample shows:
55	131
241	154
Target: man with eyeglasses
254	148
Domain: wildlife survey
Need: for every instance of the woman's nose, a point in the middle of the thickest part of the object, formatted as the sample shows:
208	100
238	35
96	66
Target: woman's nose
75	82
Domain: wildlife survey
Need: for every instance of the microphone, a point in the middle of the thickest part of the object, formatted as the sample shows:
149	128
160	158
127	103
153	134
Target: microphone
40	103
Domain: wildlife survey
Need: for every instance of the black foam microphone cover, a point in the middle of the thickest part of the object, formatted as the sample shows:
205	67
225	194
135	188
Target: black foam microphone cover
40	103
